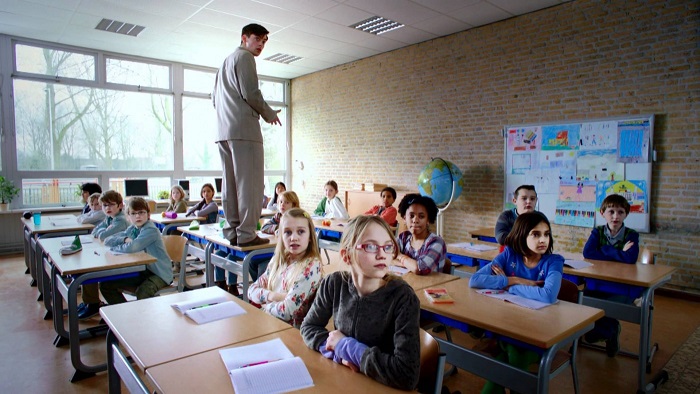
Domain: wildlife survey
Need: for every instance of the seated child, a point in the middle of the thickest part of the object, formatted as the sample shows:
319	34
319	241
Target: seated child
420	250
286	201
330	206
385	210
288	286
95	214
279	189
526	268
114	222
86	190
207	207
141	236
177	200
375	314
525	199
612	242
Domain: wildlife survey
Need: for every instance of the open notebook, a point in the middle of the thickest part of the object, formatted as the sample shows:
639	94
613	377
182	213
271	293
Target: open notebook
209	309
266	367
515	299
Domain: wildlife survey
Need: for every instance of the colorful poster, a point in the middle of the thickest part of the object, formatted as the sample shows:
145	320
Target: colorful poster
561	160
560	137
599	165
577	191
580	214
634	191
633	141
598	135
524	139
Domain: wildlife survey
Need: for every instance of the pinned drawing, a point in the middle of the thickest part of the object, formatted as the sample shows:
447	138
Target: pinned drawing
521	162
561	160
545	181
524	139
599	165
580	214
598	136
635	191
560	137
633	141
577	191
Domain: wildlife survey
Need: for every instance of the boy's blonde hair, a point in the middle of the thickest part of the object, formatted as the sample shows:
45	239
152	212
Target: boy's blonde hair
280	257
614	201
182	193
111	197
291	197
356	228
94	197
136	204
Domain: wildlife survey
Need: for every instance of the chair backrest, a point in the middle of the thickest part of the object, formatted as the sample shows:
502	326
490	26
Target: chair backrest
175	246
432	363
447	269
568	291
151	206
646	256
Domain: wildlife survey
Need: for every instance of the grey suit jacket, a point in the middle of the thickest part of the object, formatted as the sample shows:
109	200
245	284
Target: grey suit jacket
238	100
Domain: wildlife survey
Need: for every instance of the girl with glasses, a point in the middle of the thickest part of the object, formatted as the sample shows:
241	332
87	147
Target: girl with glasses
375	314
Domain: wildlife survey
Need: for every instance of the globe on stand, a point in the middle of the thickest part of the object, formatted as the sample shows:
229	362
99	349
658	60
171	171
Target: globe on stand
442	181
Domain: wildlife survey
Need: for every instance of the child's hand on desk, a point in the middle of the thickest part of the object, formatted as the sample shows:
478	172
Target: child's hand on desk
407	262
333	338
628	246
127	240
515	280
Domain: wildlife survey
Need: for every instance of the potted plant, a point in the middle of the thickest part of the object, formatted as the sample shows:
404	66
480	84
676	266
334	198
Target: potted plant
163	195
8	191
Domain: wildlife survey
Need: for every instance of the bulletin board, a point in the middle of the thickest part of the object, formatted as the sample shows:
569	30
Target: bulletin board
575	165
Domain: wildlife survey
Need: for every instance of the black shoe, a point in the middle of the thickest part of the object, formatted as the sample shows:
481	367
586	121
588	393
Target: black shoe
254	242
81	306
612	345
233	289
89	311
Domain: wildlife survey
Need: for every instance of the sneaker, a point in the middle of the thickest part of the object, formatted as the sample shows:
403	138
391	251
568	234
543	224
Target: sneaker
82	306
255	241
74	247
89	311
612	345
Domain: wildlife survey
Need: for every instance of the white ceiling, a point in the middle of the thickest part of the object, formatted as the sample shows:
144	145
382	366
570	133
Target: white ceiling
203	32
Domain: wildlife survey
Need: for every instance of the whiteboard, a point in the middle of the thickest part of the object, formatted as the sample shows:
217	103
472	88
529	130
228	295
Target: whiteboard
575	164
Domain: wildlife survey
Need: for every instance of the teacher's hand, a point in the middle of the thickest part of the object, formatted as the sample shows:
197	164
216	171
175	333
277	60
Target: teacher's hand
276	120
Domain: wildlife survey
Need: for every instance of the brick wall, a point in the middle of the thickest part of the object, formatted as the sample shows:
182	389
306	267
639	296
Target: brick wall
381	119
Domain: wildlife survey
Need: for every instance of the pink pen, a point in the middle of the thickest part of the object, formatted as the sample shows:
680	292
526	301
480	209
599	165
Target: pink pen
258	363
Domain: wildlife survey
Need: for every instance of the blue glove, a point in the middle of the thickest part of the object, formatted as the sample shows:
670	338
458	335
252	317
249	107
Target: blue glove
350	349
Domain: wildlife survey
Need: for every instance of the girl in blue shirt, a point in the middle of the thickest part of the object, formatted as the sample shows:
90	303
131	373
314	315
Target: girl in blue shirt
526	268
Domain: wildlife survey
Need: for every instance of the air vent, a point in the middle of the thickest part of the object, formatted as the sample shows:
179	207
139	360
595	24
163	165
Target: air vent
377	25
128	29
283	58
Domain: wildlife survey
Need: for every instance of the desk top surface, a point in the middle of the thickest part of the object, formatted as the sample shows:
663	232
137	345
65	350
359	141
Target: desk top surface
482	255
95	256
213	233
181	218
644	275
55	224
337	225
542	328
154	333
420	282
483	232
206	373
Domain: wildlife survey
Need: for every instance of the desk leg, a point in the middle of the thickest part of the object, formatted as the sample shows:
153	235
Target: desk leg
115	386
62	338
27	249
46	287
208	266
33	260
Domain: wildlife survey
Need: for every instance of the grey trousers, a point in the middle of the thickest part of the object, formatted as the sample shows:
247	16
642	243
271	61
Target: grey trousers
242	188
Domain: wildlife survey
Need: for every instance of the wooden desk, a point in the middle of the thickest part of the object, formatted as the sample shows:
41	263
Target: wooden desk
265	213
472	258
548	329
648	277
420	282
212	236
486	234
205	372
51	226
95	262
166	225
153	332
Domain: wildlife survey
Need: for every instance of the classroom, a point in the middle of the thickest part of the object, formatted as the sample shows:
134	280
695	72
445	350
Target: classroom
381	119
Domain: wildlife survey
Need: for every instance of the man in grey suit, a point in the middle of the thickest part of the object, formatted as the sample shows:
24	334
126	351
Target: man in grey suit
239	105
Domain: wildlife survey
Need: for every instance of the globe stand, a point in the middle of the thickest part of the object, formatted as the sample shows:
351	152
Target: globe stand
439	229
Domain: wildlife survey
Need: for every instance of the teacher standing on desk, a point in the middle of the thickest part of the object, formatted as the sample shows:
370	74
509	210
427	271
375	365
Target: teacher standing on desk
239	105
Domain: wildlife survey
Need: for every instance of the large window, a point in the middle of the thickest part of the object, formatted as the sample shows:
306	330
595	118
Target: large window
73	122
